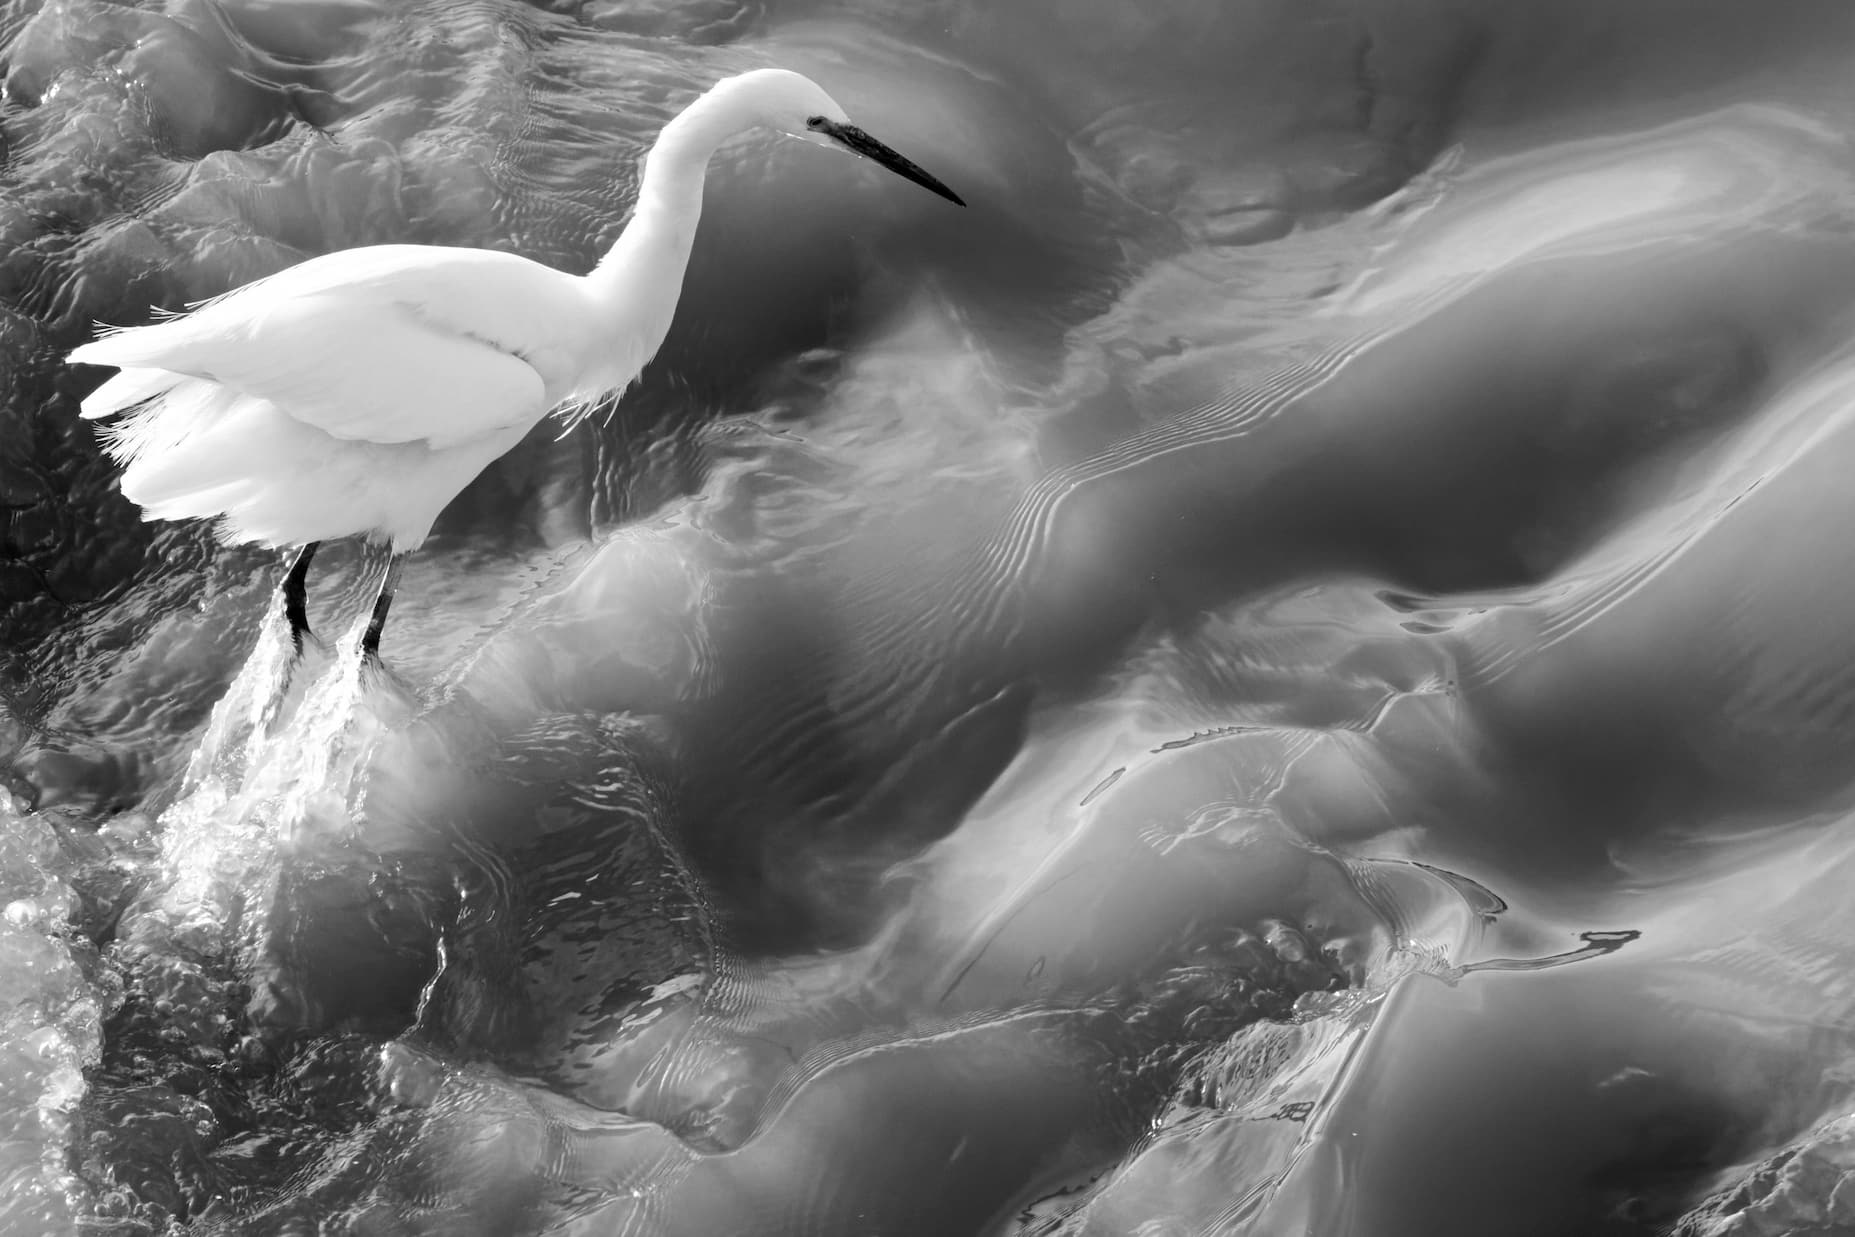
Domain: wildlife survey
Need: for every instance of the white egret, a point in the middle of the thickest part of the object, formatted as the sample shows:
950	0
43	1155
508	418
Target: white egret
358	392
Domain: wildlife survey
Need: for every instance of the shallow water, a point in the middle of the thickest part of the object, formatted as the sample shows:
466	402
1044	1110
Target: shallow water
1285	671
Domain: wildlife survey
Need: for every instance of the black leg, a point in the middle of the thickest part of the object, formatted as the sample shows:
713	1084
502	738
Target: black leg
370	640
295	587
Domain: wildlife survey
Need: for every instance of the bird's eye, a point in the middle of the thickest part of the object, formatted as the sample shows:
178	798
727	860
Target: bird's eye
814	122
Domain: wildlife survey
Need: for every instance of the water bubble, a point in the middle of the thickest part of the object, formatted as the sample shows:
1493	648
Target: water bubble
63	1088
412	1080
44	1043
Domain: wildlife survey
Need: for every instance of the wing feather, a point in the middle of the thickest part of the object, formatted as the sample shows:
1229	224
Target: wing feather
127	389
397	344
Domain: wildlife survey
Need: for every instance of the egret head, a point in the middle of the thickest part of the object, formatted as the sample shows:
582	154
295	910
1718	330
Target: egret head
794	104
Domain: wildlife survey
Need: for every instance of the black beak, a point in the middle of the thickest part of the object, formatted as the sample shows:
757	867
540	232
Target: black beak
857	141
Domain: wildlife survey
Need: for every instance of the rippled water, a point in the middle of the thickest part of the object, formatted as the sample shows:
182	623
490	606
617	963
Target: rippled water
1287	671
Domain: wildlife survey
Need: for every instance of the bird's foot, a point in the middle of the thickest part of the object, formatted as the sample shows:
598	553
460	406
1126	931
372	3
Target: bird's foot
389	694
303	640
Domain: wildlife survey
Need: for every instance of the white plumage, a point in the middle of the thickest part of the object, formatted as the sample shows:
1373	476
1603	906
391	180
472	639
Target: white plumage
359	392
355	393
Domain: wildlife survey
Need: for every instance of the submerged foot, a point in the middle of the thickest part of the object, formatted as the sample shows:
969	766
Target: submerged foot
299	628
370	639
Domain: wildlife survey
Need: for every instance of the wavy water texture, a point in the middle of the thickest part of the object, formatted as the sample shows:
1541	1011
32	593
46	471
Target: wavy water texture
1286	671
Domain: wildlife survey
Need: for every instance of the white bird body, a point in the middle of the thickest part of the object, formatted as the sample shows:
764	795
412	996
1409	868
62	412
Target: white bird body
358	392
355	393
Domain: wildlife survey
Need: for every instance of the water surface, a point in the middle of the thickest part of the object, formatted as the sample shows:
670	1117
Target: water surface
1285	671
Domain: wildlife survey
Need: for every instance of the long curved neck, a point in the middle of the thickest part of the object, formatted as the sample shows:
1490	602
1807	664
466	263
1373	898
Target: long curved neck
654	247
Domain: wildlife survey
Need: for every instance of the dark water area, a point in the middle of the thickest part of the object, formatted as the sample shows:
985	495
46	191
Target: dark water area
1287	671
